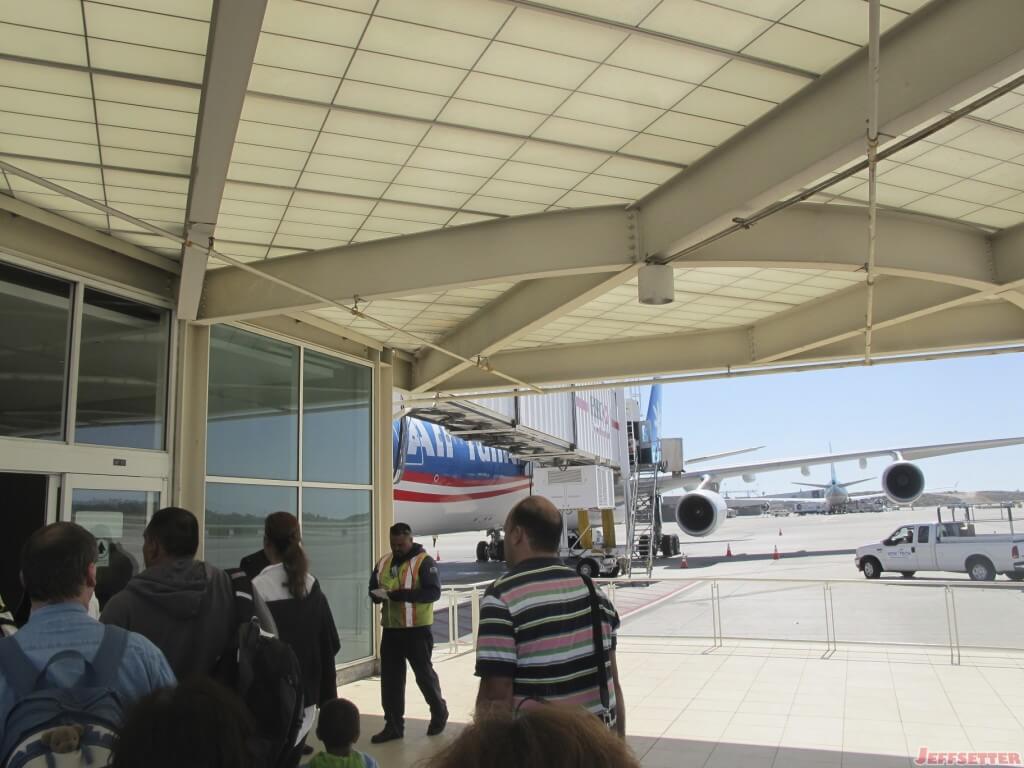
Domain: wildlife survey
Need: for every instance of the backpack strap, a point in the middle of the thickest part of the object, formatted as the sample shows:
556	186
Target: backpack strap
599	652
19	672
241	585
106	664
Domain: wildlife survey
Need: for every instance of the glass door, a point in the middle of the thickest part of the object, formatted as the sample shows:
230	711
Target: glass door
115	510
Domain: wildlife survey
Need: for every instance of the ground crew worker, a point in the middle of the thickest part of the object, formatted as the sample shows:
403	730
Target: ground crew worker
406	584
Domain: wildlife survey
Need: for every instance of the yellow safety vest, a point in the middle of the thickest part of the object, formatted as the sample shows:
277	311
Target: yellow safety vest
400	615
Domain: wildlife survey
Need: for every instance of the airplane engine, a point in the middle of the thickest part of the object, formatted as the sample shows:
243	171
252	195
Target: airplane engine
701	512
903	482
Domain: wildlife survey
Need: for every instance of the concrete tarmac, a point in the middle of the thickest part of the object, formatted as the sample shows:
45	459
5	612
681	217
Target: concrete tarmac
812	548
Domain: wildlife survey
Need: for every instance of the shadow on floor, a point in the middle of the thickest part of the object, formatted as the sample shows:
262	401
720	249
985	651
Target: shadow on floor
651	751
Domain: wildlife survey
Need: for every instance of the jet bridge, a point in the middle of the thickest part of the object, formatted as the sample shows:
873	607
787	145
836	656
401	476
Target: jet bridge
470	420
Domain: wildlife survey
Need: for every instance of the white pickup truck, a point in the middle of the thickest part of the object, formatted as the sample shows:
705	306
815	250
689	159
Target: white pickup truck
943	546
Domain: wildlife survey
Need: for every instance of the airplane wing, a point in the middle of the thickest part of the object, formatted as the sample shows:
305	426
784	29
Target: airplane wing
717	474
724	455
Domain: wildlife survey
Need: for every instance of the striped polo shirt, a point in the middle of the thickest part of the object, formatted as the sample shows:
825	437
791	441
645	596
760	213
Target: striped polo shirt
536	627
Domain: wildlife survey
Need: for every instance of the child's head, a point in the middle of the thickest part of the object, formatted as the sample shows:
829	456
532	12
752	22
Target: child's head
338	726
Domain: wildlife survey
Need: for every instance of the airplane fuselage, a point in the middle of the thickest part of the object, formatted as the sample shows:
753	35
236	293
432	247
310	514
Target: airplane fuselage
449	485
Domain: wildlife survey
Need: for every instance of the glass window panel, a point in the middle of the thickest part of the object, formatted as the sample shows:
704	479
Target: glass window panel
117	519
122	373
337	532
234	519
35	318
253	416
336	434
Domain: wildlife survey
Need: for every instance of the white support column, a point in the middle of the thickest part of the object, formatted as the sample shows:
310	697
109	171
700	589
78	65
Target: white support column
188	487
384	491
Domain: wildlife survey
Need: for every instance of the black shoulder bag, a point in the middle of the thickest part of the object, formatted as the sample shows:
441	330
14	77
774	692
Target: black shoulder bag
607	716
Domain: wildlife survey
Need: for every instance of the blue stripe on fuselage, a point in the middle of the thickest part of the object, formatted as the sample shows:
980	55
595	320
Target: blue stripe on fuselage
432	449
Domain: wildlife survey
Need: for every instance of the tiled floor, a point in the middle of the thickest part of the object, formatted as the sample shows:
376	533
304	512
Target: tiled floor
767	706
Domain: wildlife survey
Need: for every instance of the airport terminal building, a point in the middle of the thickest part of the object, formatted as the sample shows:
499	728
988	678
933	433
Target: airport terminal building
232	231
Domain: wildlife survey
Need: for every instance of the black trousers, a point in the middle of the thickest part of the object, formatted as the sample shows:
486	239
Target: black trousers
415	646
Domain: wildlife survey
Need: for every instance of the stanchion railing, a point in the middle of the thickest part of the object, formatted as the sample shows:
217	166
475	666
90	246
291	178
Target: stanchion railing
750	617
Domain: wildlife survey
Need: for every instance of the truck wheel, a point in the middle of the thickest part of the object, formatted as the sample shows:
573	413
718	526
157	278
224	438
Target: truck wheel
481	552
588	568
907	574
980	569
676	547
871	567
615	572
1016	576
499	554
666	545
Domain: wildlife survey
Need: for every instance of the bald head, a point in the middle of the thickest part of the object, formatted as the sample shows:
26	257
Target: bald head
541	524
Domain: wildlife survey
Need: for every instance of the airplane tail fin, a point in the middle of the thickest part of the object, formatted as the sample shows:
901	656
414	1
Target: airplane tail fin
654	412
834	480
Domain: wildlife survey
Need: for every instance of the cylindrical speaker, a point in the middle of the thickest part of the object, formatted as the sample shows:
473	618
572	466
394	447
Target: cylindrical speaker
657	284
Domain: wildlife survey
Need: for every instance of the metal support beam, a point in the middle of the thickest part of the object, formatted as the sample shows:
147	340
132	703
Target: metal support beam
40	243
822	127
234	33
307	333
911	316
835	237
528	306
523	248
57	223
841	316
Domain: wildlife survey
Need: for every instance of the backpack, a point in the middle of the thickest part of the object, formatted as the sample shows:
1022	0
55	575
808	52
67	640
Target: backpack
53	726
264	672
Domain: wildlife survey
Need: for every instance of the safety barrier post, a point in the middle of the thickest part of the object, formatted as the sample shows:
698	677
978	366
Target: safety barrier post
716	615
474	603
611	593
453	619
956	623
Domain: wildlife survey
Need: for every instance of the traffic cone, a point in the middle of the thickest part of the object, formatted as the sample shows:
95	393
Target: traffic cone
775	554
728	550
684	563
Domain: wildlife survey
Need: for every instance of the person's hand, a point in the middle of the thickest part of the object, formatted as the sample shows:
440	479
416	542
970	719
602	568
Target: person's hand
380	594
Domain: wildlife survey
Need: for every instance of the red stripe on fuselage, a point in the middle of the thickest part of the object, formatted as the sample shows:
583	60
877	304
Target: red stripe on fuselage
457	482
440	498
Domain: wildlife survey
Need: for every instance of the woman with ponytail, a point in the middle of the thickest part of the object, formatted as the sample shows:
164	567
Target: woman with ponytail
301	613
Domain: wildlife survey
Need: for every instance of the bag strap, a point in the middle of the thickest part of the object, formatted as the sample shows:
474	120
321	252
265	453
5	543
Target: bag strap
595	620
106	664
19	672
241	586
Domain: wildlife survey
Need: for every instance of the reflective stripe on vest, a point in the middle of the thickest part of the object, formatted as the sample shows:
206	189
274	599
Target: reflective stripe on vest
401	614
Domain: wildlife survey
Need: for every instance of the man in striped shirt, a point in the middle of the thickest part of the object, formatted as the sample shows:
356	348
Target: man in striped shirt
536	638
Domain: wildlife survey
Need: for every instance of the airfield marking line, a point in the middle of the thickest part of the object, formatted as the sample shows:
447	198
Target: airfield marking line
662	599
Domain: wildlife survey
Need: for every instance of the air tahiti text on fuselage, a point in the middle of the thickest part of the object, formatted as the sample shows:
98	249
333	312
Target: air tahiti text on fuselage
430	440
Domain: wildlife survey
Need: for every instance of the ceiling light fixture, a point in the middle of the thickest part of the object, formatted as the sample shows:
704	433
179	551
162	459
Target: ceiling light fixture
656	285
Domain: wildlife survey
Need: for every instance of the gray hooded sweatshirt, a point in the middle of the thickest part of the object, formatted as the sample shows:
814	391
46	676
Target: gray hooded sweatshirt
186	608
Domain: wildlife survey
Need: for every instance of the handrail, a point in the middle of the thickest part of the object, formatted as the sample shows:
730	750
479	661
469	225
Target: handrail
460	594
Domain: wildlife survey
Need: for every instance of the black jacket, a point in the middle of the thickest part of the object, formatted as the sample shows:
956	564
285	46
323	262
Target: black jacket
429	590
307	625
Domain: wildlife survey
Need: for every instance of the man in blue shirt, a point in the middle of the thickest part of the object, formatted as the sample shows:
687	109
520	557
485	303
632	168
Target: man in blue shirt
59	572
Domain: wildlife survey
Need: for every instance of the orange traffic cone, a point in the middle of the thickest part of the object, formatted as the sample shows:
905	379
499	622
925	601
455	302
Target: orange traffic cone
728	550
775	554
684	563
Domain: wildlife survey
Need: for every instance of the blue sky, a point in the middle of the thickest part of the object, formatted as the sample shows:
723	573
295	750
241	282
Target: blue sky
860	408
